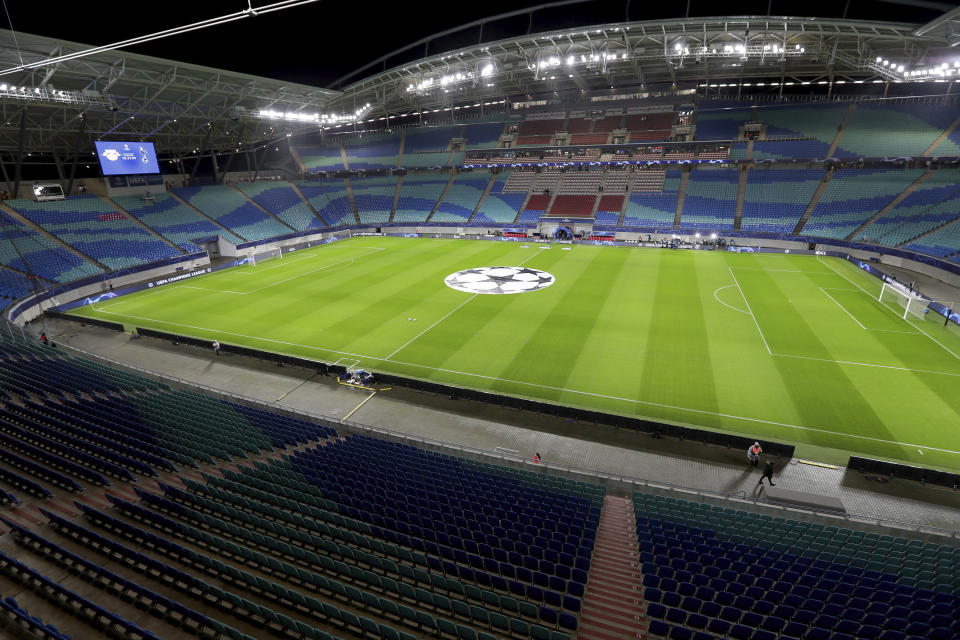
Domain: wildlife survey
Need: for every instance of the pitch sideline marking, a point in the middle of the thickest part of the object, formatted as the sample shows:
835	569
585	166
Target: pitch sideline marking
718	290
846	311
750	310
938	343
589	393
599	395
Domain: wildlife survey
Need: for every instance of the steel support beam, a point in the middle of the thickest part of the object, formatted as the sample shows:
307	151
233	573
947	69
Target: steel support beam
77	141
15	192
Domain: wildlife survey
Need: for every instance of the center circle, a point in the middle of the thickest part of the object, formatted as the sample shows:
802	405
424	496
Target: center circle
499	280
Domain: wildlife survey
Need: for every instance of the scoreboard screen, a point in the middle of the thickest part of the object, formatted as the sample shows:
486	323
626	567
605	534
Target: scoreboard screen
127	158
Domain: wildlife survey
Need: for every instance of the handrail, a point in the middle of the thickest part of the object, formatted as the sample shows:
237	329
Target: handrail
597	476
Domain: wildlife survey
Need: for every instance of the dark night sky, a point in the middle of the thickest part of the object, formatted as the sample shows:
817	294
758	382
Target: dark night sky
317	43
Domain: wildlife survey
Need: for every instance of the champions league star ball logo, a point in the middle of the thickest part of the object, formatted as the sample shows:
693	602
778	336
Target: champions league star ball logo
499	280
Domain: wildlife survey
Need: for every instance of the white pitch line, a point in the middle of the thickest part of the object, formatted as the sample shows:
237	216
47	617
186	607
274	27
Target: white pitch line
414	338
911	333
750	310
867	364
937	342
779	270
844	308
190	286
589	393
718	290
306	273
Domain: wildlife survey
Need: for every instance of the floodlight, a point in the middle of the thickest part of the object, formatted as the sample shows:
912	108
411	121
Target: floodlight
486	71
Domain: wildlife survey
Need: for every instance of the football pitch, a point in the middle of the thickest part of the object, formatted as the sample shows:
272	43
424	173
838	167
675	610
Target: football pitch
790	348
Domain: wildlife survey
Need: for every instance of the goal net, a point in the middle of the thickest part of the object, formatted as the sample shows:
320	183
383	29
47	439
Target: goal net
903	302
262	256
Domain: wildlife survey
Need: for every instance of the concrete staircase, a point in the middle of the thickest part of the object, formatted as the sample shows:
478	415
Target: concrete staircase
135	220
309	204
682	197
843	127
741	194
266	211
486	192
297	160
523	207
613	607
827	176
879	214
353	203
948	223
187	204
403	140
16	215
623	209
443	194
396	198
942	137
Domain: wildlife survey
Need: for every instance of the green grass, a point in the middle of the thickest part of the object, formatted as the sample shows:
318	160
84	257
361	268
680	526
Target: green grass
790	348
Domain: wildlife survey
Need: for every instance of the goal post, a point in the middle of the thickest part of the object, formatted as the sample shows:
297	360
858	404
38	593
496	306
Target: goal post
255	257
902	301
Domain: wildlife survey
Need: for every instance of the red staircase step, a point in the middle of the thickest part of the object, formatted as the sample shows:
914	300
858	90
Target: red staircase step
613	607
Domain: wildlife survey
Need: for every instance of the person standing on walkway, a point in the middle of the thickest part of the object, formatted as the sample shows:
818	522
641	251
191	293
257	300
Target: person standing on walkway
536	458
767	473
753	453
216	347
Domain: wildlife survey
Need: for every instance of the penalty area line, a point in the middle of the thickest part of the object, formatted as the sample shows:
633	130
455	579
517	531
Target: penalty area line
752	315
729	306
937	342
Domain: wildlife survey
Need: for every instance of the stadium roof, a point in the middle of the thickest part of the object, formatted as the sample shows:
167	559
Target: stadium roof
117	94
185	107
665	54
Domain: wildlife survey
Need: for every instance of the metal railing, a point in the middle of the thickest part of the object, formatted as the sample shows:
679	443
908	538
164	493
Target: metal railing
626	483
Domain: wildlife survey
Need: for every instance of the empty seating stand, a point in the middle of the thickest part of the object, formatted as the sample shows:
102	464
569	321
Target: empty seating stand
25	250
853	196
375	151
482	136
775	199
719	572
711	200
175	221
281	200
374	198
320	157
574	206
330	199
232	210
499	207
538	132
462	197
97	229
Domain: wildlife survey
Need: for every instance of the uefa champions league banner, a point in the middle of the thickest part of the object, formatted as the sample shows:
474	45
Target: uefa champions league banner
799	252
107	295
